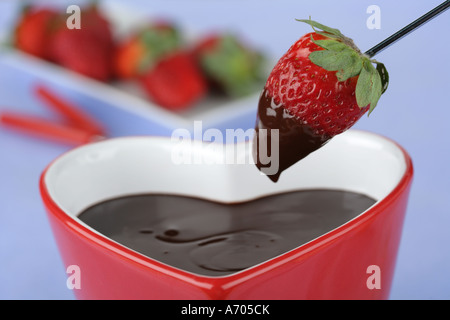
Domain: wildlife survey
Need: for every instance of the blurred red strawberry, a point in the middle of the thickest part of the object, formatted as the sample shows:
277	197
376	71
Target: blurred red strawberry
141	51
33	31
94	21
175	82
43	32
155	57
79	50
127	58
87	50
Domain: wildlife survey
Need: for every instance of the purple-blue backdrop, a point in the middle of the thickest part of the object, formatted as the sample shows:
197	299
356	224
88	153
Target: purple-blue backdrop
415	112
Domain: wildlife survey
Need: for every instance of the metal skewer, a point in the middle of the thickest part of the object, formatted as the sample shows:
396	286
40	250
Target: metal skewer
410	27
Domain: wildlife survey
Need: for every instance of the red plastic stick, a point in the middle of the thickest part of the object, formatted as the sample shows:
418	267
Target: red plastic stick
76	117
46	129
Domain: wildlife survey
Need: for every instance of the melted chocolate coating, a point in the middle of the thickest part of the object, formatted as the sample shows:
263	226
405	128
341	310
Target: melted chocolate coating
295	140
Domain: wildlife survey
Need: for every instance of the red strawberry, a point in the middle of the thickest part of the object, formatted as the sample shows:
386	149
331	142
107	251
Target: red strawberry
94	21
230	66
141	51
127	57
87	50
79	50
319	88
175	82
33	31
155	57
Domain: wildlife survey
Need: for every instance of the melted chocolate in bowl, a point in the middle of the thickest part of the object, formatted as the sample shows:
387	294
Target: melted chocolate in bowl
215	239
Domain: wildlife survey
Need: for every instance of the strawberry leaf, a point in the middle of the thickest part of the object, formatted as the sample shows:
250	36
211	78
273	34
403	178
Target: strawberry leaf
363	86
329	60
376	90
352	69
328	30
332	45
384	75
346	62
369	86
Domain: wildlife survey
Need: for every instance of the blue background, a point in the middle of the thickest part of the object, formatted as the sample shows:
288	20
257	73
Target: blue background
415	112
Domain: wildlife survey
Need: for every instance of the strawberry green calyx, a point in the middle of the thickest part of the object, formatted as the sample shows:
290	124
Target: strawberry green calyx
158	41
238	69
340	54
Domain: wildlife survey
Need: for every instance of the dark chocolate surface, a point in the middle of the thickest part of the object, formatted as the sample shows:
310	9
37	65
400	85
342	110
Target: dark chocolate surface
214	239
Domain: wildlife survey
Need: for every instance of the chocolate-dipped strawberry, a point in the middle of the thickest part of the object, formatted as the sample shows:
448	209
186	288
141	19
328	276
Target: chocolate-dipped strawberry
319	88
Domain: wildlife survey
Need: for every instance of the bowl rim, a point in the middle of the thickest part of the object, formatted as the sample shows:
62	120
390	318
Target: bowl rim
232	279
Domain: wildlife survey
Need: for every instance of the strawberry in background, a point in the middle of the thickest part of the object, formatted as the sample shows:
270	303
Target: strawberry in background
33	31
175	82
173	73
43	33
87	50
157	58
140	52
231	66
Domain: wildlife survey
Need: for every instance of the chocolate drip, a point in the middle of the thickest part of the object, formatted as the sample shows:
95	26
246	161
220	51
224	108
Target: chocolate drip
295	140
